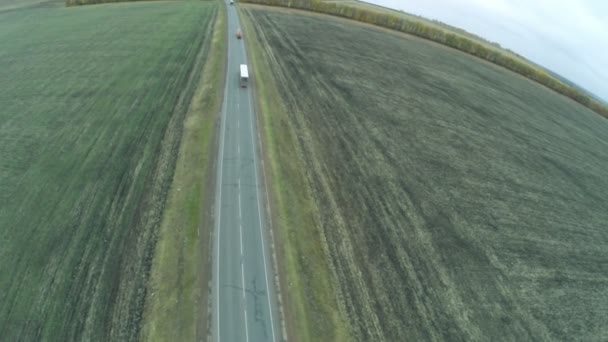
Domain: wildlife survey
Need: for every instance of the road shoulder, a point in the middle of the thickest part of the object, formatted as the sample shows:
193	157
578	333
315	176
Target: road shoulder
306	296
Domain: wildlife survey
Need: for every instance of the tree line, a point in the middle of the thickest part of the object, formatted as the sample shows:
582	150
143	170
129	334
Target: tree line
420	29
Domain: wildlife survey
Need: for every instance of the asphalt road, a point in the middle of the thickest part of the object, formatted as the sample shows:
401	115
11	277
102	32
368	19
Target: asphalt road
245	302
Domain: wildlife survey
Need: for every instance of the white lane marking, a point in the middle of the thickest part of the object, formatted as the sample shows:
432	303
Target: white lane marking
219	187
219	215
243	266
255	168
245	302
238	149
253	146
240	216
219	218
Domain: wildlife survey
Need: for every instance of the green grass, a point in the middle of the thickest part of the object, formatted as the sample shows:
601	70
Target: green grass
177	300
91	112
452	200
13	5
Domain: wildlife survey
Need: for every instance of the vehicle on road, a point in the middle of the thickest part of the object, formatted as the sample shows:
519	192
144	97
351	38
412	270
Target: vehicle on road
244	76
232	2
239	34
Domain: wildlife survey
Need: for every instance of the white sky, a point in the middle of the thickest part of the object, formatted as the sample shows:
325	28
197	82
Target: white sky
569	37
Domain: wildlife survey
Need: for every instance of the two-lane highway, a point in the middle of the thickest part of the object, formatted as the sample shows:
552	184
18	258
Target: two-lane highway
244	296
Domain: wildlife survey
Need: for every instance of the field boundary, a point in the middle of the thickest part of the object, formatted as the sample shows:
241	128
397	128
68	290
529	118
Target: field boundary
444	37
180	253
217	65
220	73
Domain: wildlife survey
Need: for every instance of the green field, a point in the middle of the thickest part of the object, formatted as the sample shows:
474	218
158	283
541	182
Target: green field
14	5
176	307
92	102
449	198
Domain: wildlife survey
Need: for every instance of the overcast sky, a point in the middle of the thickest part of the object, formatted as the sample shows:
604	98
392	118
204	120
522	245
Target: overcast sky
569	37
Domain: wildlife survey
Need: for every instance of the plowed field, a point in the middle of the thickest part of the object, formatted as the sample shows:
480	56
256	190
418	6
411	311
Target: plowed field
453	200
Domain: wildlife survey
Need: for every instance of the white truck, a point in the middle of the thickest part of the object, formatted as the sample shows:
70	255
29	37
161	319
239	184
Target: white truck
244	76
